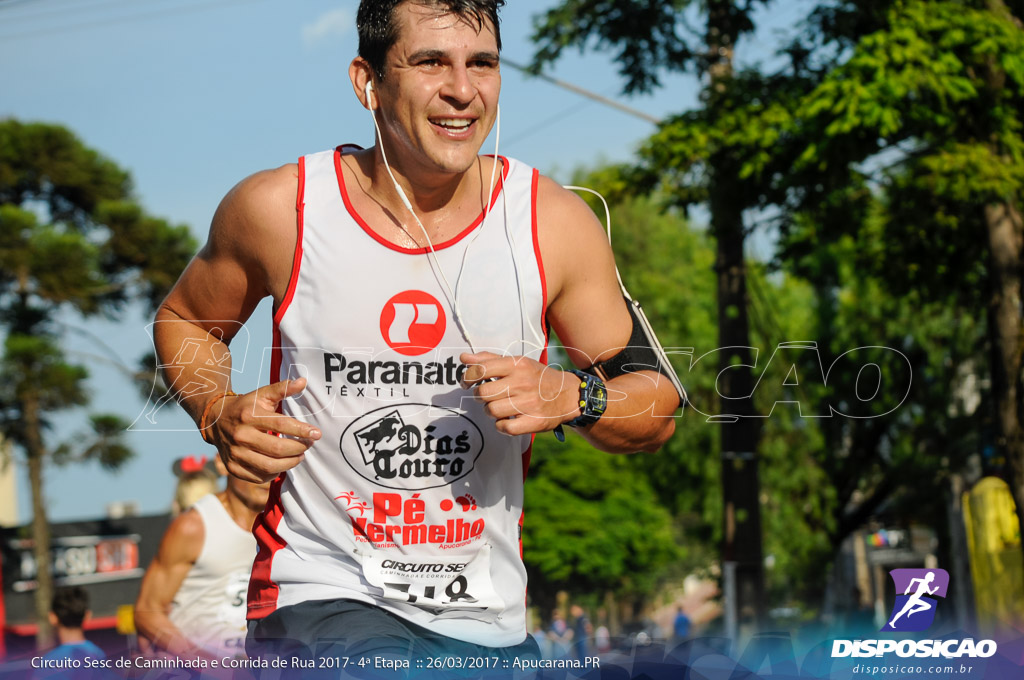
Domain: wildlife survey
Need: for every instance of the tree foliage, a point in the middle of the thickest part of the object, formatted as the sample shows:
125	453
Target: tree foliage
72	240
669	267
927	110
651	36
593	524
916	132
879	149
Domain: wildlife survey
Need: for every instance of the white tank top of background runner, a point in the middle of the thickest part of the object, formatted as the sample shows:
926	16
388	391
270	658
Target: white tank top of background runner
411	500
209	607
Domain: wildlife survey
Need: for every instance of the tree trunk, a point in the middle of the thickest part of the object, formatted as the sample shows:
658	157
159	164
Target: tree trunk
40	524
740	484
1005	237
960	562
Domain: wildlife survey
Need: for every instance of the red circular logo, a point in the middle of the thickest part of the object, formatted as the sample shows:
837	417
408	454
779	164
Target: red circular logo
412	322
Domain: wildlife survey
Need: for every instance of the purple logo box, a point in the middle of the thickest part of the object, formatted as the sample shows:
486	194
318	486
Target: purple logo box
916	603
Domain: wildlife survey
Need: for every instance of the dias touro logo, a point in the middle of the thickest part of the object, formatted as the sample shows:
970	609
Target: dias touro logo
412	323
388	447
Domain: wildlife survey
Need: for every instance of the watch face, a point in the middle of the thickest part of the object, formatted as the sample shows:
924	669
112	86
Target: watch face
593	400
598	398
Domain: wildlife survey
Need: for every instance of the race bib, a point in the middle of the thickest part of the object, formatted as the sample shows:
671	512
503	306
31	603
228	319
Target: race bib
454	586
232	611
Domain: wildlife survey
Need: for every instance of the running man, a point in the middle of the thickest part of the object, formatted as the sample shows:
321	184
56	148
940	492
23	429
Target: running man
413	285
915	604
192	598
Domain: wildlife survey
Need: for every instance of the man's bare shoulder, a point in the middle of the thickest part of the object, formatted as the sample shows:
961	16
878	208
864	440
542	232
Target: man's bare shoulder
183	540
260	205
569	232
272	181
254	229
564	214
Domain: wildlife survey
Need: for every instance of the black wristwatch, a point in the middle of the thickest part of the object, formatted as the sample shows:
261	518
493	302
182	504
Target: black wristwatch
593	402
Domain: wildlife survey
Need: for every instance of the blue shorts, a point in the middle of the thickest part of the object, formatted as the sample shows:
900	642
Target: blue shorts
344	638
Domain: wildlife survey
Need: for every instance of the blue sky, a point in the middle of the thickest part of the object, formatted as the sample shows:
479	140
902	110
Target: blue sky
193	95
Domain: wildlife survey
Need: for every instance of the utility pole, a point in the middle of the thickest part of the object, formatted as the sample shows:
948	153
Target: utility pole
742	554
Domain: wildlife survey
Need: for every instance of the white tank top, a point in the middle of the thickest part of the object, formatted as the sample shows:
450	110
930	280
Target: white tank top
411	500
209	607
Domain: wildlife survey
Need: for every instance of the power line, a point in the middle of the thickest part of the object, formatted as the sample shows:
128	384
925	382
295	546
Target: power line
584	92
534	129
122	19
4	4
49	10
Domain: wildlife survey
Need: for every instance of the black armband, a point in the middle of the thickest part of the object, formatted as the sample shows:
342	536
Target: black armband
643	353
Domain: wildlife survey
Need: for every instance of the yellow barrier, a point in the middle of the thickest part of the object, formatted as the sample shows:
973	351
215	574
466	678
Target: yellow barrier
997	564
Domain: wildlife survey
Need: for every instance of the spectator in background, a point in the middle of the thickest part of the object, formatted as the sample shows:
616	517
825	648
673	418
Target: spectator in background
559	634
680	626
602	636
581	631
197	477
68	613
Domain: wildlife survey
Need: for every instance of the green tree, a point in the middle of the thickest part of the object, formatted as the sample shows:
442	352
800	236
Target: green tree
923	107
669	266
888	147
593	524
72	240
653	37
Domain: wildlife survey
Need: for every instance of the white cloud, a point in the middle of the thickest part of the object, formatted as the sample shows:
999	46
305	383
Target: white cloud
333	24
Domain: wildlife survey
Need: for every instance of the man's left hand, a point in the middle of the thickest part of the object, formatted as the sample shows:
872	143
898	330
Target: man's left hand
524	396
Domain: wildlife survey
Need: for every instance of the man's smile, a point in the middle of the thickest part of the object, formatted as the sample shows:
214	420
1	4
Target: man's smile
453	126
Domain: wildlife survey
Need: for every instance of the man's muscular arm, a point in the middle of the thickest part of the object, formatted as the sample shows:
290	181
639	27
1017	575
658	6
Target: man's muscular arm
591	319
248	256
178	551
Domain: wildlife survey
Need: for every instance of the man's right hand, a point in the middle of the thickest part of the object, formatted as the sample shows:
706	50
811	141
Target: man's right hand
256	442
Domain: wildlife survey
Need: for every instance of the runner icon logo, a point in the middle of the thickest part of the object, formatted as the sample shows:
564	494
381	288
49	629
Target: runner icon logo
915	606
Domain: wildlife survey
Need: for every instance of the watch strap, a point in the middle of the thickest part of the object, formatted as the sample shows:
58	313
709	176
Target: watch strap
593	400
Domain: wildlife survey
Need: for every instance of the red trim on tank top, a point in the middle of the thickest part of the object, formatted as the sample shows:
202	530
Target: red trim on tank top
415	251
540	260
263	592
275	356
300	206
527	455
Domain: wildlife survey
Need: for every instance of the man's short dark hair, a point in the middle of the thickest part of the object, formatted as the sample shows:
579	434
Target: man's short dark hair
378	32
70	605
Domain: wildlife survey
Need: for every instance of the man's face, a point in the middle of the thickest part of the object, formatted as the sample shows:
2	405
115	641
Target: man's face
440	91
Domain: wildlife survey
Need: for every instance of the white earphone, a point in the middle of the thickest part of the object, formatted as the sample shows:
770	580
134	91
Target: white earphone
453	294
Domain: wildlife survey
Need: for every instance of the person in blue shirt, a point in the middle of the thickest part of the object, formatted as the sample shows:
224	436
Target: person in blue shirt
581	631
680	626
75	657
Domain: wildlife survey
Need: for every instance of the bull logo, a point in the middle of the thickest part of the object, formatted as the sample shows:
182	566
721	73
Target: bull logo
387	448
